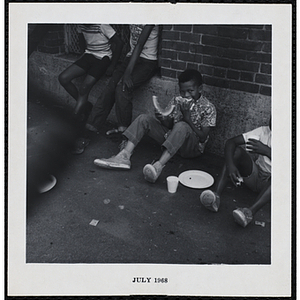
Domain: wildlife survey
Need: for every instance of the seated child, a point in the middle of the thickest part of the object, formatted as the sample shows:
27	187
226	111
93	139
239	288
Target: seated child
184	131
97	59
240	167
137	68
139	65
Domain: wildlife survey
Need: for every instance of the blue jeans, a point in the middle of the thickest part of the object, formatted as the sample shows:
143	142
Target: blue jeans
144	69
182	138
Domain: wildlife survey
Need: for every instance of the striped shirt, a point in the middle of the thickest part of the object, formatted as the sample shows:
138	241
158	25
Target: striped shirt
149	50
203	114
97	38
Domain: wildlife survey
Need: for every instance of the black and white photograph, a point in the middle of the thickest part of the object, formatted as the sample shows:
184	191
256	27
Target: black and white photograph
141	156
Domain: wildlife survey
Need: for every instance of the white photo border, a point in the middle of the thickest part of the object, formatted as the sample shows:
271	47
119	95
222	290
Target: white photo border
115	279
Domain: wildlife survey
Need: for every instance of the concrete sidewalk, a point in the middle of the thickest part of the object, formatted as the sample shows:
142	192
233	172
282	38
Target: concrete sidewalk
139	222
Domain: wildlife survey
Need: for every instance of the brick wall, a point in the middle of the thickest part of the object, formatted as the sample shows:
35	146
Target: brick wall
47	38
232	57
235	62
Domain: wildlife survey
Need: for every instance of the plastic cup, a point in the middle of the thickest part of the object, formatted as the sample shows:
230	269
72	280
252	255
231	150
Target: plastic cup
172	183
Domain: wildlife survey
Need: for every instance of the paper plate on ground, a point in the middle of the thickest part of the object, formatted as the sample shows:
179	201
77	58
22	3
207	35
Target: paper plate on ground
196	179
48	185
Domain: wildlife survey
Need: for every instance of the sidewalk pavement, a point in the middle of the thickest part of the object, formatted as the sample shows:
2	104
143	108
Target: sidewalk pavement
136	221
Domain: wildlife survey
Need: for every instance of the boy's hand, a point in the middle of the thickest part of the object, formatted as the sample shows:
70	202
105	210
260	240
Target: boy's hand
234	174
127	82
166	121
255	146
185	108
158	115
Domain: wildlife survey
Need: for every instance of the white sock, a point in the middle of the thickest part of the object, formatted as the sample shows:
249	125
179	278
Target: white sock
126	154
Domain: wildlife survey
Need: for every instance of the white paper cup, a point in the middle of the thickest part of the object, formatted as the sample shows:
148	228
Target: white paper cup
172	183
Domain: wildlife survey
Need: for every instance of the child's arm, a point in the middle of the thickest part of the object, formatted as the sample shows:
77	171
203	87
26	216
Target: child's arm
186	112
164	120
82	42
117	50
258	147
230	147
127	81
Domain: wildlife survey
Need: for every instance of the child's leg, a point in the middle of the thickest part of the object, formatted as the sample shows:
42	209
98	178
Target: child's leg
211	198
106	100
165	157
145	124
96	69
263	198
182	140
142	72
243	216
181	137
243	161
66	77
83	94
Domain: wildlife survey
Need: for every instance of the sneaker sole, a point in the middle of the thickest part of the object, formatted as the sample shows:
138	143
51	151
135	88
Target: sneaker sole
149	173
239	218
209	200
108	165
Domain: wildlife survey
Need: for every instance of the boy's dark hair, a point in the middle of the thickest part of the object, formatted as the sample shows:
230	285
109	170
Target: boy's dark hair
190	74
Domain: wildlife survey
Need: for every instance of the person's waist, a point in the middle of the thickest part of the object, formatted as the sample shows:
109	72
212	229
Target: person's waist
99	53
143	59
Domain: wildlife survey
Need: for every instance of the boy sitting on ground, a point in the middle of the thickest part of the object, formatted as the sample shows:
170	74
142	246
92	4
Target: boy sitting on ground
240	167
185	130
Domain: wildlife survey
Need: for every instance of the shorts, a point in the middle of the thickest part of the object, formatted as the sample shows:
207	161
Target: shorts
93	66
258	178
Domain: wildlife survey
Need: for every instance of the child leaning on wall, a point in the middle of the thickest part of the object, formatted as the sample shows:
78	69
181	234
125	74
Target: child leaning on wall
97	60
185	130
240	168
139	65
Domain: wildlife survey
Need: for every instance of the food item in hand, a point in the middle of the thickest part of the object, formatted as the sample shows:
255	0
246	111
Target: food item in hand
163	111
181	100
240	181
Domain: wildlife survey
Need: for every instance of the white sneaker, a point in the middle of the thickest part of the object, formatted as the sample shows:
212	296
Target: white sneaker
152	172
243	216
120	161
210	200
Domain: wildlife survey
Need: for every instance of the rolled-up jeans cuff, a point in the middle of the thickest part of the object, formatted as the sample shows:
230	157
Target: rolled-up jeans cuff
170	148
130	137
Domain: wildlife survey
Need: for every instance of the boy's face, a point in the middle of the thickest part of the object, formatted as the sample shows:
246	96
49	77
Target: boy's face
190	89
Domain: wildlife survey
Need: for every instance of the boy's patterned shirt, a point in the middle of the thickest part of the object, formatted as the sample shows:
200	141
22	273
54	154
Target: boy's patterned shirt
203	114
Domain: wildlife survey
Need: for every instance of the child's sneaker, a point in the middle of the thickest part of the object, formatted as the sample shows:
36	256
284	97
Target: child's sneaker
112	131
119	161
152	172
80	145
210	200
243	216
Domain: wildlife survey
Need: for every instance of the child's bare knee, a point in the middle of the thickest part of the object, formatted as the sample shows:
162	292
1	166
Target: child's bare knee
62	79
